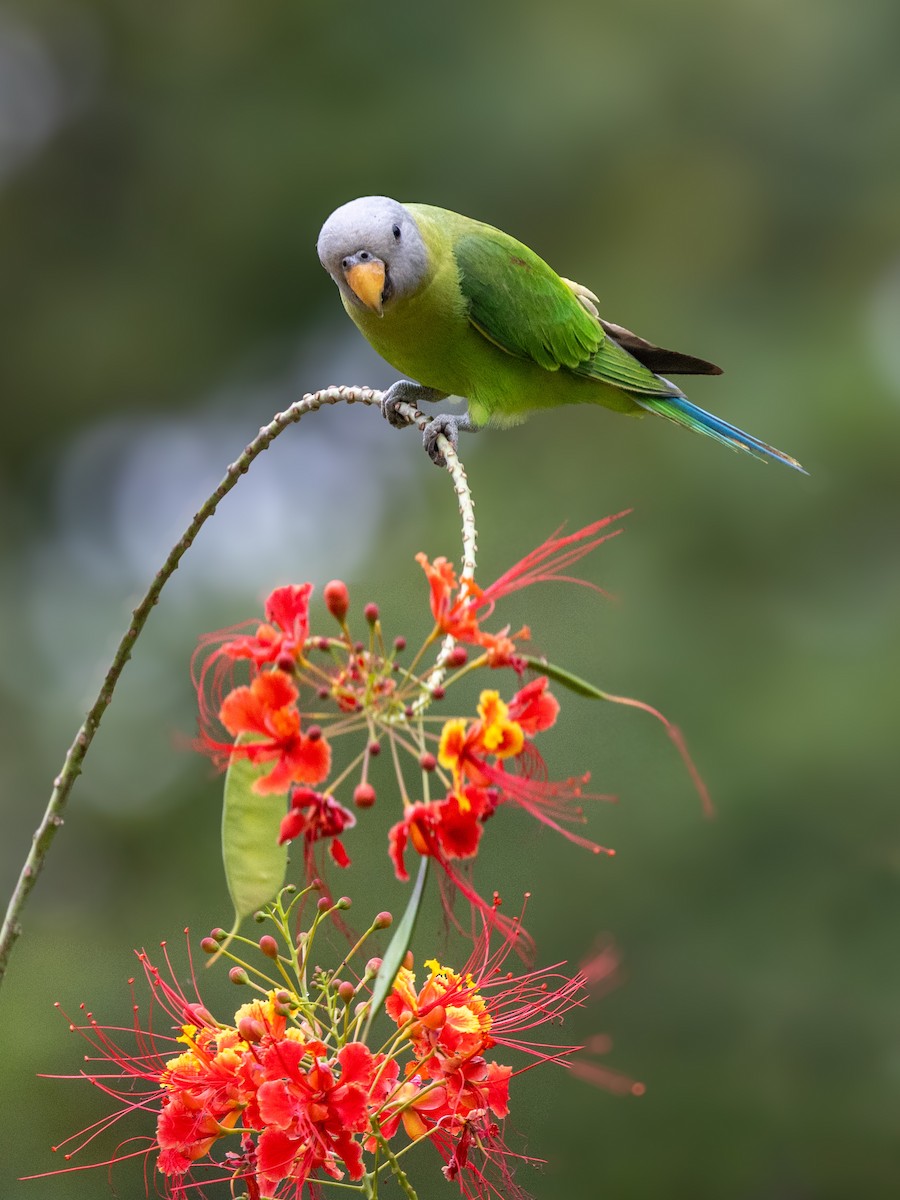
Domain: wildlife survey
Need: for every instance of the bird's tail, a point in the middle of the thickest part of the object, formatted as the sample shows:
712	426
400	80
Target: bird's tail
680	410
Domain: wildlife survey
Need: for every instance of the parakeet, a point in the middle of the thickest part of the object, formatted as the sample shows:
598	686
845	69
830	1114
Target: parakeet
466	310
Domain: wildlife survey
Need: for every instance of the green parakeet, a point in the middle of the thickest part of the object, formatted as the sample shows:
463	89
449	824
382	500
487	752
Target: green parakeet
466	310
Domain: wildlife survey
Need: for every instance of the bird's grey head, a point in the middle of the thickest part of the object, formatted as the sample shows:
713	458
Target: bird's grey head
373	251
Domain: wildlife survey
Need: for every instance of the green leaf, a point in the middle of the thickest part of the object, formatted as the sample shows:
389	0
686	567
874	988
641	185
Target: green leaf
570	681
399	944
255	865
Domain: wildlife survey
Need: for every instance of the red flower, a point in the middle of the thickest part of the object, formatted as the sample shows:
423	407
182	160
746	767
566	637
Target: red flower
451	829
284	631
316	817
266	709
452	1021
448	828
310	1114
533	708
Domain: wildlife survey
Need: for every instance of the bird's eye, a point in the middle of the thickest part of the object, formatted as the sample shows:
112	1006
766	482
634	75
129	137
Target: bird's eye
395	229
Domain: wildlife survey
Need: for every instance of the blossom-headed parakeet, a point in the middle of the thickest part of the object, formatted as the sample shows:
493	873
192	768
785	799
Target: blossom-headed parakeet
467	310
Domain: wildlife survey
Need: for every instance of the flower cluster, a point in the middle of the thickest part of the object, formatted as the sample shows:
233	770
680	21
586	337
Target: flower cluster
289	1091
307	693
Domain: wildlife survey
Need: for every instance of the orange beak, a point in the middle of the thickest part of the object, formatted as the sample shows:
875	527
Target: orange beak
366	280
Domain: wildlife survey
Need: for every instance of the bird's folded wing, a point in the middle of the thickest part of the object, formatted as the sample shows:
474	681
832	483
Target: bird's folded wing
521	305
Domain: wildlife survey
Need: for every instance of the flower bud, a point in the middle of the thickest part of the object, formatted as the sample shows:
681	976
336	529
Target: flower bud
374	749
268	946
399	643
408	960
250	1029
209	945
370	612
457	657
200	1015
218	933
323	903
238	975
364	795
344	903
373	966
384	920
314	733
286	663
346	991
337	599
438	692
427	761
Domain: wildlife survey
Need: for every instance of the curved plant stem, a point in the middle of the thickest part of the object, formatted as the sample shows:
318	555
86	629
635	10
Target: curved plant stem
72	766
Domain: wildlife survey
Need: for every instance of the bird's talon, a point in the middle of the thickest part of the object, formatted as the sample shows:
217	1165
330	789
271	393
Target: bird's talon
389	410
442	424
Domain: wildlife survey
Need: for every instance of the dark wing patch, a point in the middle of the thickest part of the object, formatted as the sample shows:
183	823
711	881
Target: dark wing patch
660	361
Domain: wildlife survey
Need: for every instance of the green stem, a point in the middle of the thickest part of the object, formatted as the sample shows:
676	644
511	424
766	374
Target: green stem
399	1174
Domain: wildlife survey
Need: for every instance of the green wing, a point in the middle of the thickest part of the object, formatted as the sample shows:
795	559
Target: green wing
521	305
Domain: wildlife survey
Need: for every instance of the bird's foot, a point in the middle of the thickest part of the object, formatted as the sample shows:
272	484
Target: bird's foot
450	426
404	391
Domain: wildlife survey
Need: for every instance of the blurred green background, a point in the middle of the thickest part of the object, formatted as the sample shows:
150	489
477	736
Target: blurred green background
725	175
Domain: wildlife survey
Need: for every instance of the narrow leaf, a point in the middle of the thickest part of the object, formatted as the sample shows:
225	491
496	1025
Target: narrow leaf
399	944
582	688
567	679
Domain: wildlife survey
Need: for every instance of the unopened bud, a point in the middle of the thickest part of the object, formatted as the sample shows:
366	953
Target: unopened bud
346	991
457	657
374	749
323	903
364	795
408	960
250	1029
209	945
268	946
370	612
399	643
384	920
218	933
427	761
437	692
285	662
373	966
238	975
314	733
344	903
337	599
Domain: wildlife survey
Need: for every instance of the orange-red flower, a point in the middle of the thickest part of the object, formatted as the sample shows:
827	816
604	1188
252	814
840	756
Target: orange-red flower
284	631
266	710
456	604
310	1107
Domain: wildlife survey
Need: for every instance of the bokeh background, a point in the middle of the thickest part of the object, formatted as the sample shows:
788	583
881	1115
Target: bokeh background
725	175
